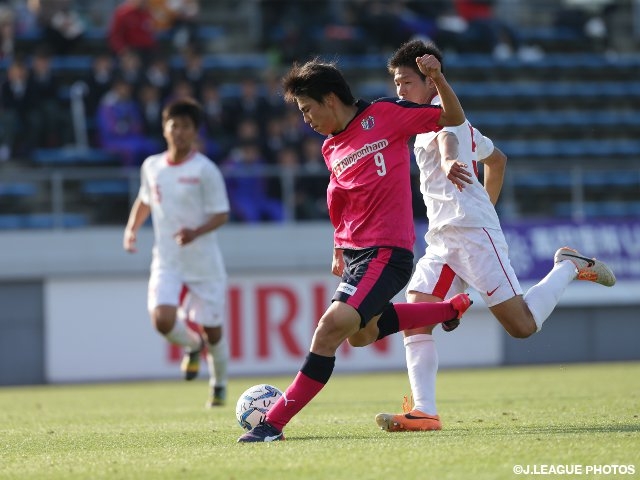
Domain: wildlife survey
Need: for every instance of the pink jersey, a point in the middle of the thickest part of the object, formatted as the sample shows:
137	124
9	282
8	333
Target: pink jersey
369	193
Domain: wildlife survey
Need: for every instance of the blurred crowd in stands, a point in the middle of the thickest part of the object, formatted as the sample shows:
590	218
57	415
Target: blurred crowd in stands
247	130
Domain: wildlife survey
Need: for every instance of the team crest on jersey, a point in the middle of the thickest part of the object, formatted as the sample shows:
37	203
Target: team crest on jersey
367	123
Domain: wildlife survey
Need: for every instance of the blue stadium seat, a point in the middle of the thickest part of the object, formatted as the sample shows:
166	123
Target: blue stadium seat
10	222
49	220
106	187
72	156
18	189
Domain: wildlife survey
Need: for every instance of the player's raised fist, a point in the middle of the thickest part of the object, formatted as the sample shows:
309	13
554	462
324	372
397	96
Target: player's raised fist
429	65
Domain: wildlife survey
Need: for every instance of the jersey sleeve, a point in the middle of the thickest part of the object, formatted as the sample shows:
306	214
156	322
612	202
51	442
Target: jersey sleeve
144	193
214	190
484	145
412	118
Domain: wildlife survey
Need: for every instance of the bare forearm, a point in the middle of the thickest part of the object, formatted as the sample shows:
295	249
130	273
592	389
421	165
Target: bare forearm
139	213
495	166
213	223
452	112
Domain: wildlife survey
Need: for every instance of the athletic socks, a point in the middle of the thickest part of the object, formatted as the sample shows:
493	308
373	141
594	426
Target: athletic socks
311	378
422	367
217	360
182	335
405	316
543	297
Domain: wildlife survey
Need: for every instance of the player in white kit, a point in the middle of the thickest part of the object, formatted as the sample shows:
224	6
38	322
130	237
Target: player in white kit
465	243
185	194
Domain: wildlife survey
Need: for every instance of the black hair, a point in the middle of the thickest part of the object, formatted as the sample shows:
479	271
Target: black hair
184	107
316	79
406	55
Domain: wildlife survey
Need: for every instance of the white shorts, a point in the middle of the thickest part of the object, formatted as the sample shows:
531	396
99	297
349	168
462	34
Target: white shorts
461	257
201	302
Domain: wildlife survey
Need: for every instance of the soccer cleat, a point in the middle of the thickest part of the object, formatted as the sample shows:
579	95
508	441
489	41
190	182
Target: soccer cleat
450	325
263	432
217	398
413	421
589	269
190	365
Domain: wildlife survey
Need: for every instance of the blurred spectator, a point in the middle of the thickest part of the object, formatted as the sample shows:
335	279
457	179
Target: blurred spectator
158	74
16	104
287	32
587	20
62	27
177	17
120	126
294	128
393	17
248	131
151	104
193	70
132	28
273	95
485	32
98	81
247	185
214	122
250	103
343	33
7	31
311	187
131	68
274	138
180	88
50	123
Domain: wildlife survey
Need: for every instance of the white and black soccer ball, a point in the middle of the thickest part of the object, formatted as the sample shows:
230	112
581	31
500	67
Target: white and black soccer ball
254	403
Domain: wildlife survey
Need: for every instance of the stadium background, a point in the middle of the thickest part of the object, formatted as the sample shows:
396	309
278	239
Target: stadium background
562	102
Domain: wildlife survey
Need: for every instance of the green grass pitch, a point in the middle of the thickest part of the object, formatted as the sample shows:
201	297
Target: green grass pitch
494	419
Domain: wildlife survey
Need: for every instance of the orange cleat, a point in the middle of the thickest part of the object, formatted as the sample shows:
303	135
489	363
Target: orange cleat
413	421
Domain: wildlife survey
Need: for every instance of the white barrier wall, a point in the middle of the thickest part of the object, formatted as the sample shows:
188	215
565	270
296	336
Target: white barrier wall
95	324
98	329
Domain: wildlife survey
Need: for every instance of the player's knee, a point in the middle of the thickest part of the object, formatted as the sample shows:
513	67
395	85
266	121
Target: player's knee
163	323
360	339
213	334
521	330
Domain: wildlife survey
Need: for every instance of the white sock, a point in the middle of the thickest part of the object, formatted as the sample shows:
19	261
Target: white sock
217	359
543	297
182	335
422	366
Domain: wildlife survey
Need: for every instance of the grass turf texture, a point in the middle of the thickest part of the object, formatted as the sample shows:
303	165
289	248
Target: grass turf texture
493	419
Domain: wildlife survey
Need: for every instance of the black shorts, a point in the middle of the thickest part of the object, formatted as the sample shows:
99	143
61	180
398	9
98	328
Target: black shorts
372	277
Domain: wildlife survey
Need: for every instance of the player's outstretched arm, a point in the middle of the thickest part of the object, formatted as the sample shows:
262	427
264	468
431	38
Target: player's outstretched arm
452	112
140	211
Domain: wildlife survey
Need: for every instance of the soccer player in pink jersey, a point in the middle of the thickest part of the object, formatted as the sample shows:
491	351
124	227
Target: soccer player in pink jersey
185	194
369	200
465	243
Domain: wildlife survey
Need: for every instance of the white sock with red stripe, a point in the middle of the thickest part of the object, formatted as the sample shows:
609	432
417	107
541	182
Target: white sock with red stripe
422	367
543	297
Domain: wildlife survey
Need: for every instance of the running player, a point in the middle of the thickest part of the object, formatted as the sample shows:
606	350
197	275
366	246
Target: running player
466	246
185	194
369	200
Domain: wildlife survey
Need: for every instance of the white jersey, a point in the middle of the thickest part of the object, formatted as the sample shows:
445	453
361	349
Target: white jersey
184	196
446	205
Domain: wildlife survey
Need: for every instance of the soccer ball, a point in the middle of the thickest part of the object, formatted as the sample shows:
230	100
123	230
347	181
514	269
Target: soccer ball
254	403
